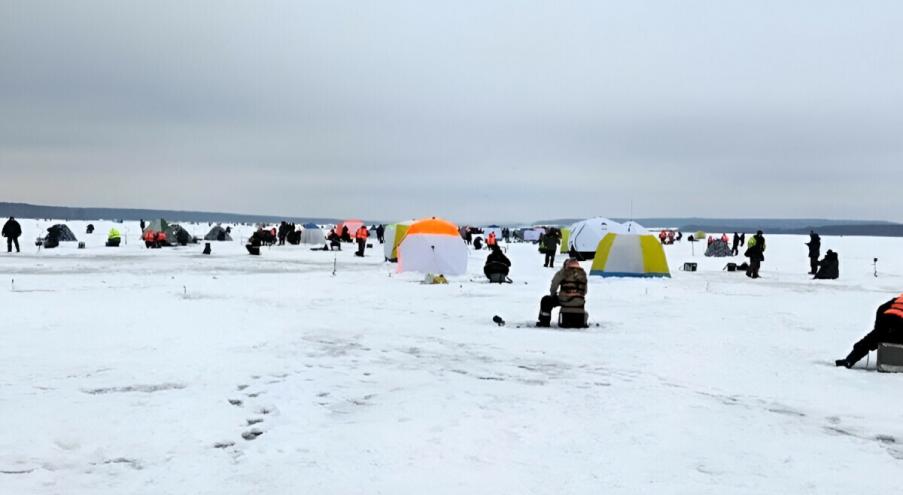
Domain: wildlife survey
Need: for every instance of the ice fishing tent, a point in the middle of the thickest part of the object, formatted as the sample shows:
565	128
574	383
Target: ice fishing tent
57	234
630	255
217	233
157	225
586	235
62	233
565	237
393	235
311	234
352	225
176	235
533	235
632	227
433	246
718	249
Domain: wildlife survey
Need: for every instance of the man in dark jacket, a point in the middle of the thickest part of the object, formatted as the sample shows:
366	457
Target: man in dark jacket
814	251
549	243
755	251
12	230
888	329
735	249
497	265
282	232
829	267
381	233
568	289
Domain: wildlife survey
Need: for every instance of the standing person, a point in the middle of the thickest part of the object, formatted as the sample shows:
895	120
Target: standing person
814	251
755	250
491	240
735	249
468	236
742	239
506	234
888	329
550	242
381	233
568	289
142	224
12	230
361	237
346	234
283	231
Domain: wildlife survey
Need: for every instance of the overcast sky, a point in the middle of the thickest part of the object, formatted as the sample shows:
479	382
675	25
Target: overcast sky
476	111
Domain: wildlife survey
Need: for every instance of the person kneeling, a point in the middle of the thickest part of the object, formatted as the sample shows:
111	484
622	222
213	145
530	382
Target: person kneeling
568	290
497	266
113	238
828	268
888	330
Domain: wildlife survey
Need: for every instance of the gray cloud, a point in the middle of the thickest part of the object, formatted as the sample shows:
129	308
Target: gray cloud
509	110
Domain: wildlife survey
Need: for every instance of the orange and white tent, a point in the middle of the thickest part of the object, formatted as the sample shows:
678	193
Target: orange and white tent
433	246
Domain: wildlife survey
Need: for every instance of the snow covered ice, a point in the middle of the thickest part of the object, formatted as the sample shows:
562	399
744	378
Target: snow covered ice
127	370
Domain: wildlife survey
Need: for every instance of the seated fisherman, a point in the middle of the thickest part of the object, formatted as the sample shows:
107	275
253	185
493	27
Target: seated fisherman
828	267
113	238
568	290
497	265
888	329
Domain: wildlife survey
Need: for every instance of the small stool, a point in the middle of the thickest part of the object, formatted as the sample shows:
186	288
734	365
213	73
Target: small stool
572	317
890	358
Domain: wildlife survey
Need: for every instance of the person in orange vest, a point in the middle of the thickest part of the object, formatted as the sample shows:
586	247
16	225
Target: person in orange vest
161	239
888	329
150	238
491	240
361	237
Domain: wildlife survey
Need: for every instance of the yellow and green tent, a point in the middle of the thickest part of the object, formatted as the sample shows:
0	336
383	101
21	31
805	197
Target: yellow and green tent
393	236
630	255
565	237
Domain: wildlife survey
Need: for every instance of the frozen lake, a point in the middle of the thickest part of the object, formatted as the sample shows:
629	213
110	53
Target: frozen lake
165	371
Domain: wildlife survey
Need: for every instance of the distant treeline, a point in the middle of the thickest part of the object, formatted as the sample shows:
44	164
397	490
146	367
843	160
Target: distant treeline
872	230
713	225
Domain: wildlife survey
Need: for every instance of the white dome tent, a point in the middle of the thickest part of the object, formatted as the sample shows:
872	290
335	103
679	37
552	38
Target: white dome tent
632	227
586	234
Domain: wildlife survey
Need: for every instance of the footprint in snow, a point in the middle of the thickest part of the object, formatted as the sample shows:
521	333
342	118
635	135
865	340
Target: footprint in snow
251	434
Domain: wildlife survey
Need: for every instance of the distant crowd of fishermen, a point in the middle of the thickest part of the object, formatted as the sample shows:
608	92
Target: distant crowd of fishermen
569	285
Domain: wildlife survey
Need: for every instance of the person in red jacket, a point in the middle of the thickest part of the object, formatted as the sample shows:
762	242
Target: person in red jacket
361	237
491	240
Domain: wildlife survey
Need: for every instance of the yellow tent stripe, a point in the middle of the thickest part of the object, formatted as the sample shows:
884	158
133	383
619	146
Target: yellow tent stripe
602	251
565	237
654	260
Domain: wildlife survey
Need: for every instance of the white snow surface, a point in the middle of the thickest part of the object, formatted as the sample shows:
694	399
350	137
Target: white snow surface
119	365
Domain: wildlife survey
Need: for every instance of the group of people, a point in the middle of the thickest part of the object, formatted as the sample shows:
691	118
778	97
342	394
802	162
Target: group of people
668	237
828	268
335	239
